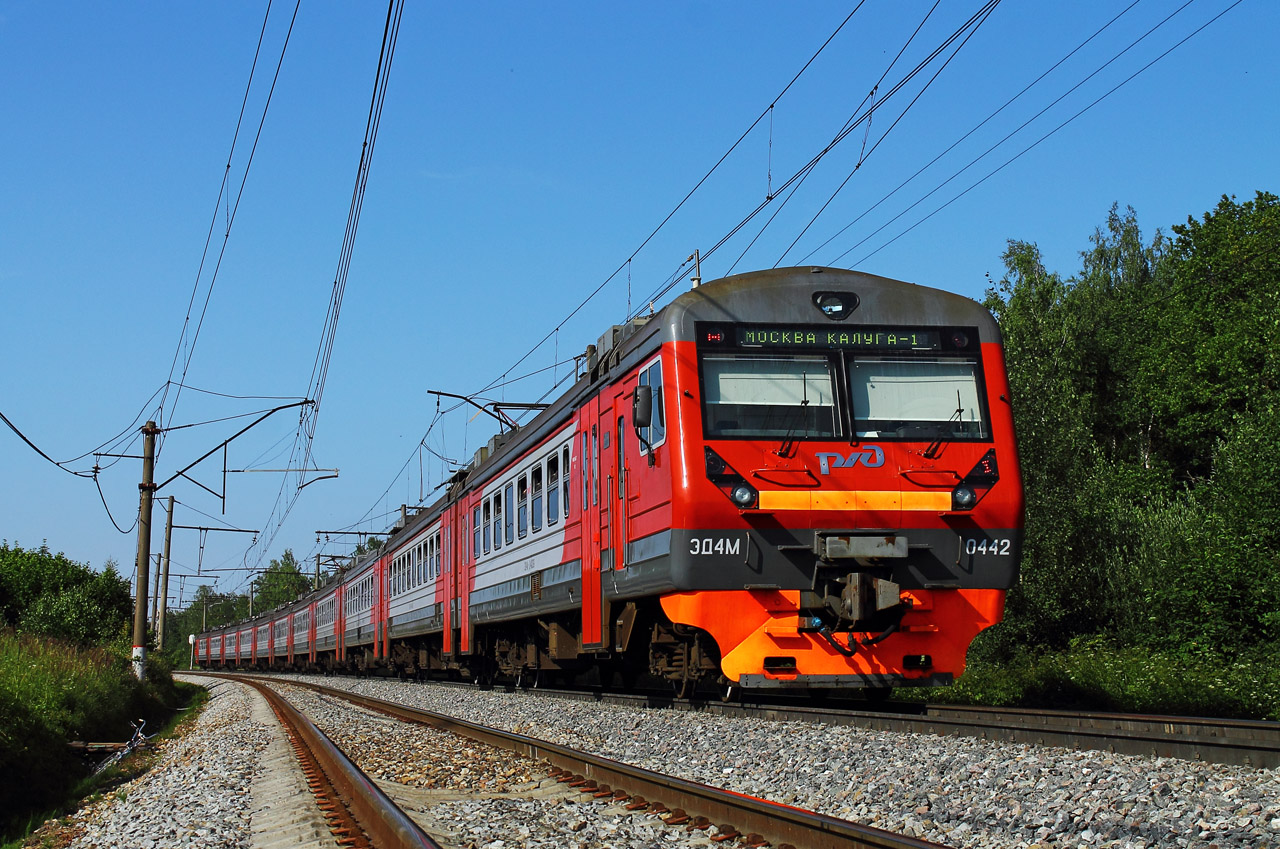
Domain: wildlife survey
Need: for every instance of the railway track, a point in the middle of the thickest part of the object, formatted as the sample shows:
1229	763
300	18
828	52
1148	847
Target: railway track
945	787
1223	741
747	820
1235	742
359	814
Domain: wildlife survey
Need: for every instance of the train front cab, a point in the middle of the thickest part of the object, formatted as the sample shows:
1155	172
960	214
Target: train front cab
851	507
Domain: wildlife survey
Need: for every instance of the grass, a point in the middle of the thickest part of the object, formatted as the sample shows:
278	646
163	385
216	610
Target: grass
47	828
50	693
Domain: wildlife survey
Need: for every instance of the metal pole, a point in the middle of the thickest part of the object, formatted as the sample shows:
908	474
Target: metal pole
164	581
155	593
146	491
317	583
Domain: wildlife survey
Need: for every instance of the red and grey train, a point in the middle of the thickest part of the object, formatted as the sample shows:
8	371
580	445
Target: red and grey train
797	478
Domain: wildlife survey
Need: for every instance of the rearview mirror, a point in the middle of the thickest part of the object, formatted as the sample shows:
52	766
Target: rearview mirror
642	407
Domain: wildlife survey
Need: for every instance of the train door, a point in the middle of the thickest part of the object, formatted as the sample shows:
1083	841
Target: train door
453	538
594	525
375	612
386	606
340	623
446	593
623	486
457	632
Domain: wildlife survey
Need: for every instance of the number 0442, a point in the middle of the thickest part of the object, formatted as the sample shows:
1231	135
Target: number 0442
1002	547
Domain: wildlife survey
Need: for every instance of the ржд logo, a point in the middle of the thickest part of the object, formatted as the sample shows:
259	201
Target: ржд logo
871	456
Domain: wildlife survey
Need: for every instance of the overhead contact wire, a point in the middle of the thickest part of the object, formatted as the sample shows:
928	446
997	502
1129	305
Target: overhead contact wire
1038	141
231	215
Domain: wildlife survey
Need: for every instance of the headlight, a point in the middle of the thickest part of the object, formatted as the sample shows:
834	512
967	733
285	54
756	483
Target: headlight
743	495
716	465
963	498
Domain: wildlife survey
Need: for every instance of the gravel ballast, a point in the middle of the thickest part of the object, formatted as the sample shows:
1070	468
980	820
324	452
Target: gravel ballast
959	791
198	794
469	794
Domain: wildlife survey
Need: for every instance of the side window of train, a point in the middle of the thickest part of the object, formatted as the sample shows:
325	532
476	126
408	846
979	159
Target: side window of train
564	479
656	433
622	458
595	464
475	541
522	512
510	514
535	511
497	521
553	489
488	520
586	471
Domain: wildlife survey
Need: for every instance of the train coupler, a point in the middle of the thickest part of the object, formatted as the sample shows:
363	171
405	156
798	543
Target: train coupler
857	602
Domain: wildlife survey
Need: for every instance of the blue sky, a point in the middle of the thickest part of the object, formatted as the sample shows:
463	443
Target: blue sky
525	152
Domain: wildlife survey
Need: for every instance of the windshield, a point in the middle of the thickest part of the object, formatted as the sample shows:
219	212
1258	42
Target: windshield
769	396
836	394
916	398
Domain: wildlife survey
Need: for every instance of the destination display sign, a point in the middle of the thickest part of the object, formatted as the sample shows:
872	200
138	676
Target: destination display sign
862	338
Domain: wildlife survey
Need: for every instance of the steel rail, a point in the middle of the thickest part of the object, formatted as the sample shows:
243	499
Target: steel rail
1248	743
384	824
1238	742
684	801
1234	742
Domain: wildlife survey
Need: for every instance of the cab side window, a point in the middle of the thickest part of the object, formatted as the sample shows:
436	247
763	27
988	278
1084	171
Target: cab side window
656	433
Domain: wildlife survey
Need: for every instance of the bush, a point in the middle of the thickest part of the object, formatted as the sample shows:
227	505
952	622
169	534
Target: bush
1098	674
51	693
45	593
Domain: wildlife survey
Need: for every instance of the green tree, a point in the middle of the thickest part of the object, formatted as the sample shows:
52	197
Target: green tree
92	611
49	594
1046	346
1212	354
368	546
1145	395
26	574
280	583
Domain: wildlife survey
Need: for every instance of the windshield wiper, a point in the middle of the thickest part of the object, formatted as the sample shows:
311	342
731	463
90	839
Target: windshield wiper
789	441
934	447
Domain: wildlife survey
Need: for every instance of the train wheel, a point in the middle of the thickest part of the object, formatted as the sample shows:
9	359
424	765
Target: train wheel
682	688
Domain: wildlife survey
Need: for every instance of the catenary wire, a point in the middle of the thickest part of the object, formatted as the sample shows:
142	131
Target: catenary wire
865	154
870	96
308	418
975	20
1037	142
975	128
626	263
190	352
